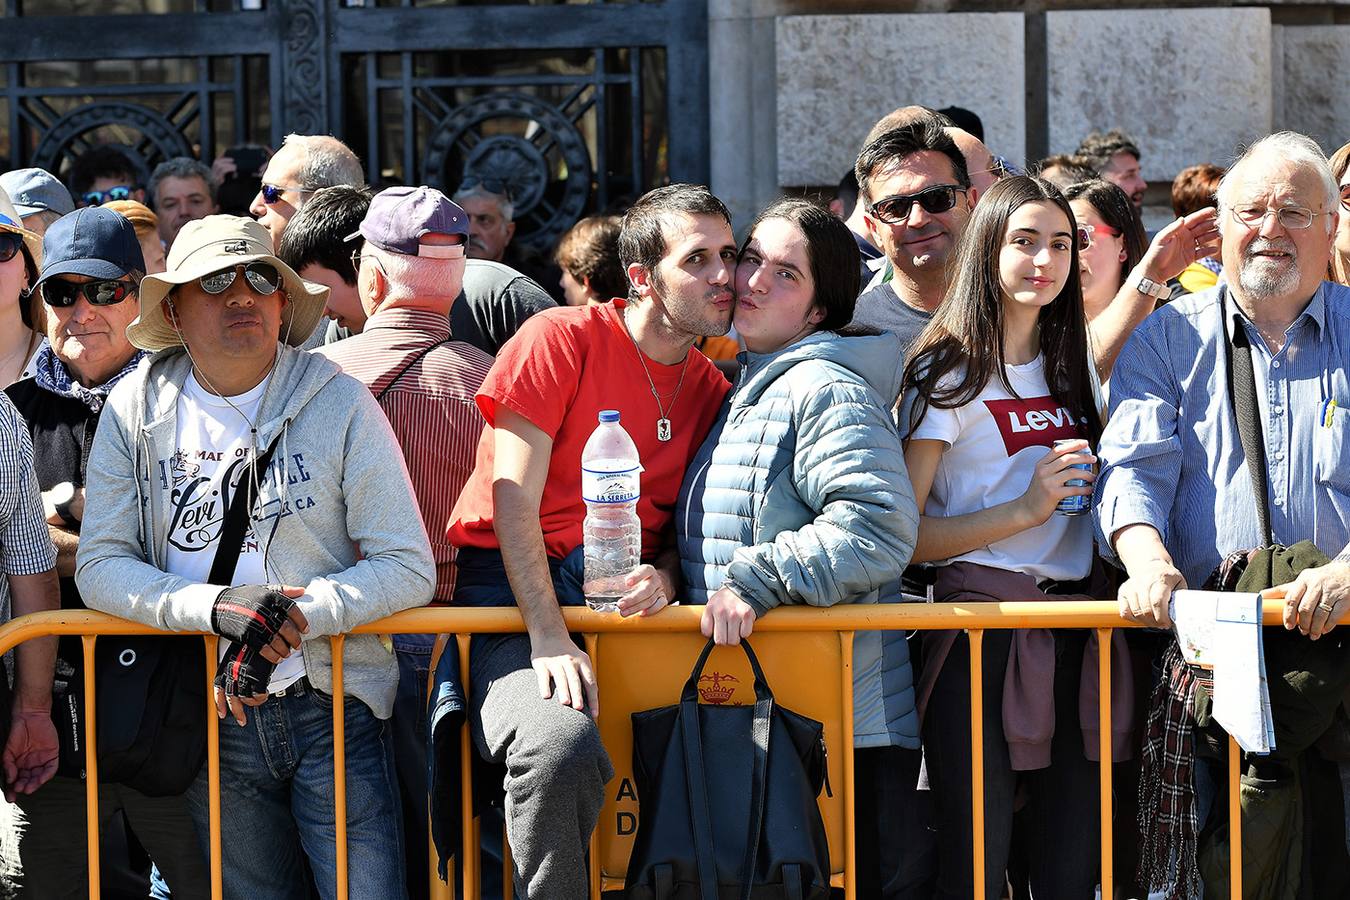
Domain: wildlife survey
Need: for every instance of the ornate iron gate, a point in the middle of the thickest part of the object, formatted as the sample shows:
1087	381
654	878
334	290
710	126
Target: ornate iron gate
575	106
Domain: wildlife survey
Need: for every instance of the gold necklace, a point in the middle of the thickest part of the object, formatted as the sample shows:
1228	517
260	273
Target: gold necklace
663	423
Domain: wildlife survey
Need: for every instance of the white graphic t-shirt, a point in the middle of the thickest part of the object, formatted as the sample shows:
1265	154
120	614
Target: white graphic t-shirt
994	443
214	450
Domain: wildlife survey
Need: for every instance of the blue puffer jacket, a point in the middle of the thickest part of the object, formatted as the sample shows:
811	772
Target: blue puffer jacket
800	495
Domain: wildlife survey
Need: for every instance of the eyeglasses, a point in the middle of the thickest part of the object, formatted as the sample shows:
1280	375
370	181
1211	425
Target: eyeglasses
98	198
1292	217
263	278
1345	196
63	294
1086	234
271	193
895	210
491	185
10	245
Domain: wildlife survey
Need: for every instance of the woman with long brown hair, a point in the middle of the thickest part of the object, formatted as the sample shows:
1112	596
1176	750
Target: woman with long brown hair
1000	418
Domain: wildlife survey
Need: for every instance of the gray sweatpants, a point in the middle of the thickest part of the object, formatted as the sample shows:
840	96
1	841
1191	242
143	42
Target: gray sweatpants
556	768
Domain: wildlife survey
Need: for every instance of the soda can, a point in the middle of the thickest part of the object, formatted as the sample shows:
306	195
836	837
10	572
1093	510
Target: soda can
1076	505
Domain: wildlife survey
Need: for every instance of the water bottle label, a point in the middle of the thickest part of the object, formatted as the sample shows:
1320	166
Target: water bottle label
610	487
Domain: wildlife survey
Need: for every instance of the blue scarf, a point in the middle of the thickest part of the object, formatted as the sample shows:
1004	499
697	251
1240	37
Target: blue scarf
52	375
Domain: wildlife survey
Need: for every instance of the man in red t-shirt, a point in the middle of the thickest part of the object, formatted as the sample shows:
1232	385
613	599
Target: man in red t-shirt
518	521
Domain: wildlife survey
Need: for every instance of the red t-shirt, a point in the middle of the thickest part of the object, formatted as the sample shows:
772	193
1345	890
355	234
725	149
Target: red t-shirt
559	371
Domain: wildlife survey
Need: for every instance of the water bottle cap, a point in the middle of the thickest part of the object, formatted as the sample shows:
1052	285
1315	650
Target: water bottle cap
609	415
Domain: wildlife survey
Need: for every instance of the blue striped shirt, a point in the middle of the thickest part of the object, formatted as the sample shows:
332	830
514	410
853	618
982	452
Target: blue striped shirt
1171	456
25	543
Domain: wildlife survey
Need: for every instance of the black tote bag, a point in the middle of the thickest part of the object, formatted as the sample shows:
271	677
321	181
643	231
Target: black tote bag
727	800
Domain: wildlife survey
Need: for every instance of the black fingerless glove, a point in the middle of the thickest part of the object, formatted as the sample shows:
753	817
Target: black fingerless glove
243	672
251	614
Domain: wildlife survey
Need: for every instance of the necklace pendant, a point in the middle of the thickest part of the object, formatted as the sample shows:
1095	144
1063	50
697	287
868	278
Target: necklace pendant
663	429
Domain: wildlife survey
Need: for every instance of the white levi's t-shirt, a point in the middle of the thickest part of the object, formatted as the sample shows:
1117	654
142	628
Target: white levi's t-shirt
994	443
213	451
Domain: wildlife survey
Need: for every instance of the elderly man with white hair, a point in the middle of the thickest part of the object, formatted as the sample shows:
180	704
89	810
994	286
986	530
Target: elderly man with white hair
304	164
1262	362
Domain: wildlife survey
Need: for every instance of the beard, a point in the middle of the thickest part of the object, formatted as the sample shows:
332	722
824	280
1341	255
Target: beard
1264	278
695	314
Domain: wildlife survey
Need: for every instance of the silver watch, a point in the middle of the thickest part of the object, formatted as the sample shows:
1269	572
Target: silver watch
1145	285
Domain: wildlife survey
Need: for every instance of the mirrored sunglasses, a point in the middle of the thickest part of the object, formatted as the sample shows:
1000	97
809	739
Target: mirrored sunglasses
1086	234
98	198
271	193
263	278
62	294
10	245
895	210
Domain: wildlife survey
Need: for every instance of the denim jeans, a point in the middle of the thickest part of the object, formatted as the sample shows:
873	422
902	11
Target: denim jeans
276	786
409	726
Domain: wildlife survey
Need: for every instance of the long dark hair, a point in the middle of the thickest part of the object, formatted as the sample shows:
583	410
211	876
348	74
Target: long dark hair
1116	210
831	252
966	332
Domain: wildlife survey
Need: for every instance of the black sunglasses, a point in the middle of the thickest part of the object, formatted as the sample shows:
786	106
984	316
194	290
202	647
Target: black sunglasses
63	294
271	193
263	278
98	198
10	245
491	185
895	210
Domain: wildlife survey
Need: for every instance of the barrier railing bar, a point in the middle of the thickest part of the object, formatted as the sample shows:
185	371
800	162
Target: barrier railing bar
592	642
340	766
1104	724
91	765
846	726
468	860
977	757
1234	819
211	645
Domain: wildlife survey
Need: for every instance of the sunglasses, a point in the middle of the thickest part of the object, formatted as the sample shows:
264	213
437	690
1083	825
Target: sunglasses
491	185
10	244
271	193
63	294
1086	234
895	210
98	198
263	278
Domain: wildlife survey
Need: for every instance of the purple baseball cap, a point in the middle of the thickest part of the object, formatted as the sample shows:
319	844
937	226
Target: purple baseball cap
400	216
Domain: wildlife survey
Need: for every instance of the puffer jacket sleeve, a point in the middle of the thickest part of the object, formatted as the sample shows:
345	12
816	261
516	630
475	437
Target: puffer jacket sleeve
850	468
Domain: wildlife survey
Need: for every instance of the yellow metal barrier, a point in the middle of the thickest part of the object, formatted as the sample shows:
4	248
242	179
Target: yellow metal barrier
973	617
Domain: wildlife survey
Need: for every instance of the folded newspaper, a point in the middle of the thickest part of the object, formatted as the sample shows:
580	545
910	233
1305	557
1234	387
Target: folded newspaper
1222	632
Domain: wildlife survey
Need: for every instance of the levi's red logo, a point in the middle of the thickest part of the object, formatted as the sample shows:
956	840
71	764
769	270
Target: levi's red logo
1034	422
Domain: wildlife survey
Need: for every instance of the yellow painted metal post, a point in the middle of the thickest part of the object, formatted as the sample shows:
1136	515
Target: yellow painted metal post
977	756
1104	724
592	650
846	726
340	766
1235	819
91	764
213	767
469	851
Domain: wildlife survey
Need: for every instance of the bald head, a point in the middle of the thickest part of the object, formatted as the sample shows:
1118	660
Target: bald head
324	161
979	161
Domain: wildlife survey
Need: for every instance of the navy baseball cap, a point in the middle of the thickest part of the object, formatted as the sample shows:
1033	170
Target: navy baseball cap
91	241
36	190
399	217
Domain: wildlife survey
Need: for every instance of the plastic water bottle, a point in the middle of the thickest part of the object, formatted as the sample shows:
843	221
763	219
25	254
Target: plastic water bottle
612	533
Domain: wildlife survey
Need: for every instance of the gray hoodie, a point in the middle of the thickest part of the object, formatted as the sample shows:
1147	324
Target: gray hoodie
800	495
348	530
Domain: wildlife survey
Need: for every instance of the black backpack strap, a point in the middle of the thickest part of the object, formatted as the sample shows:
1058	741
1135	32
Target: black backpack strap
1242	395
236	519
404	370
697	785
759	773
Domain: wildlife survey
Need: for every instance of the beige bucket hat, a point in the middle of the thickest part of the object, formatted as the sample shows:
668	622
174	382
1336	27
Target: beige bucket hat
209	245
11	221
